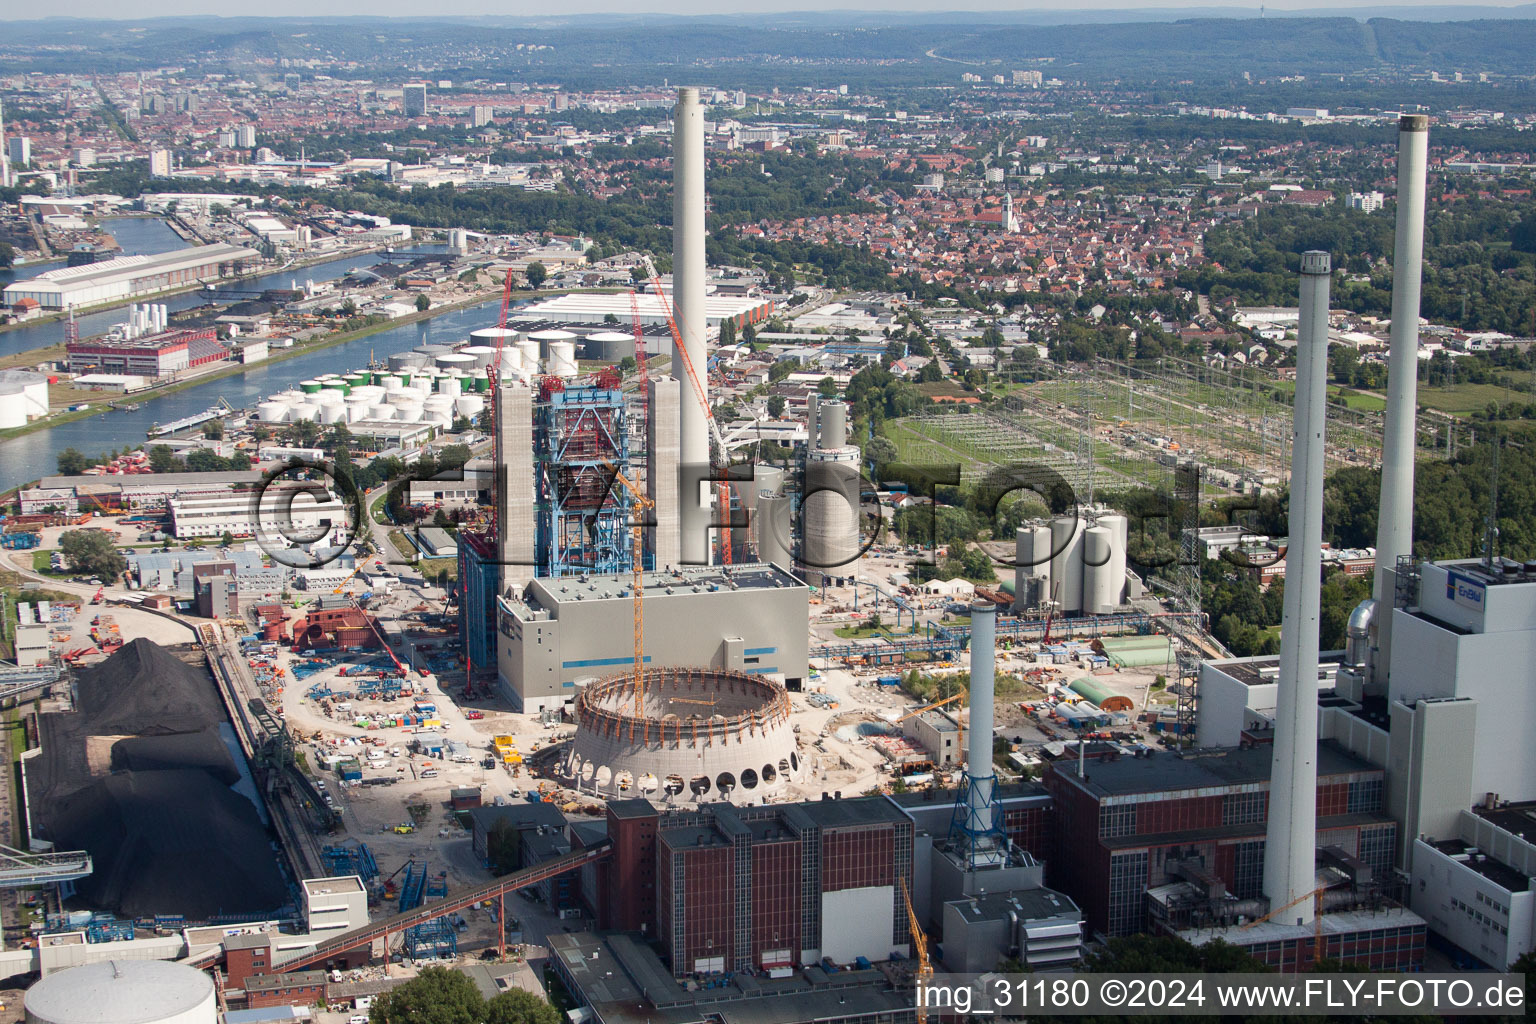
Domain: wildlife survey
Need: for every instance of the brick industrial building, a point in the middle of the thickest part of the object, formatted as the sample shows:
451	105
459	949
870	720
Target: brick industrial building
153	355
1170	842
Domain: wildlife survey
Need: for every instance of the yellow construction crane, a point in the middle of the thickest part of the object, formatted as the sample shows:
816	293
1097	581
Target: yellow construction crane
929	707
924	965
1315	895
637	521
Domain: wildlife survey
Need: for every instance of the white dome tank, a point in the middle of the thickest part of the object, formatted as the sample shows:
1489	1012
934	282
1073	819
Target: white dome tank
333	413
382	412
358	407
392	383
305	411
488	336
23	397
455	361
562	358
1120	528
511	359
272	411
1098	543
468	405
422	385
481	354
1032	547
453	387
123	992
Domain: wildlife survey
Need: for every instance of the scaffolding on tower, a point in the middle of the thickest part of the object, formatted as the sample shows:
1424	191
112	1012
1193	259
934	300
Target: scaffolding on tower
580	438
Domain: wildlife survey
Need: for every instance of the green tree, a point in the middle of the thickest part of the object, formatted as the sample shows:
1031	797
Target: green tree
781	369
930	373
213	429
227	540
423	303
92	552
163	460
536	274
727	332
827	387
72	462
7	254
776	405
518	1006
435	996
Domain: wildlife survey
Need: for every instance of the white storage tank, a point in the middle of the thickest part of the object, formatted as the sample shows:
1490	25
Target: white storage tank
562	358
481	354
272	411
1067	563
453	387
405	361
609	346
468	405
123	992
455	361
1120	527
1098	594
487	337
1032	551
382	411
422	385
23	397
528	349
548	338
392	383
358	407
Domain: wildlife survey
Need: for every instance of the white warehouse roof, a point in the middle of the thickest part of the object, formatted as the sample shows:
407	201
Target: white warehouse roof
591	308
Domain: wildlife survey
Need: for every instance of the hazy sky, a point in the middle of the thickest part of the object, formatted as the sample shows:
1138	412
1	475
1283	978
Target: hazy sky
414	8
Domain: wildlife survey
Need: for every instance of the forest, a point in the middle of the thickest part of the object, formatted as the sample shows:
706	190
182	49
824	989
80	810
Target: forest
1479	260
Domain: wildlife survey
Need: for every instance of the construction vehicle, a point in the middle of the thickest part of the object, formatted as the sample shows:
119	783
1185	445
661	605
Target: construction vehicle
1050	613
97	597
920	944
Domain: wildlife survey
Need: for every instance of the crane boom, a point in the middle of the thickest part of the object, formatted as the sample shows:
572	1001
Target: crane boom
920	945
637	588
719	456
929	707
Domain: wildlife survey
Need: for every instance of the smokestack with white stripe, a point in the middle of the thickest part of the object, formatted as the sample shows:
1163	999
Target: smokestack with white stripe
1292	829
1394	524
688	230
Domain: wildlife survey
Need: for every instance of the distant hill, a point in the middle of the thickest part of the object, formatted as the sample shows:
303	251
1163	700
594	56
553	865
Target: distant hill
913	46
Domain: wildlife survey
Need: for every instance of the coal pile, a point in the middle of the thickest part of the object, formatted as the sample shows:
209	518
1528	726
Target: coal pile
139	777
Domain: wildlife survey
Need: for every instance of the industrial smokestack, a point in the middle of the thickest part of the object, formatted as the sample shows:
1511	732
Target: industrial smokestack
1394	523
688	305
834	425
980	826
1292	828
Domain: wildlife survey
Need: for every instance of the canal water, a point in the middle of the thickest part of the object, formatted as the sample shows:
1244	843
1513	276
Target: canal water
32	456
148	236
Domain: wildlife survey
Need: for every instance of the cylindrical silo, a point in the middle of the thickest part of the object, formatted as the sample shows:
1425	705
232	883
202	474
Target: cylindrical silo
468	405
481	354
272	411
546	338
1098	542
309	387
562	359
774	536
1032	555
455	361
451	386
406	361
422	384
489	336
834	424
1121	528
123	992
383	411
358	407
1067	563
528	349
829	544
608	346
432	351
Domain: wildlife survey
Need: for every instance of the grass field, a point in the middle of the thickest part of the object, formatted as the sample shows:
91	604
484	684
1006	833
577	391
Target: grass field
1460	399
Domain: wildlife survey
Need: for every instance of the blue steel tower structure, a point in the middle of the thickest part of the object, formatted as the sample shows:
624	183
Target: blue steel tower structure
580	438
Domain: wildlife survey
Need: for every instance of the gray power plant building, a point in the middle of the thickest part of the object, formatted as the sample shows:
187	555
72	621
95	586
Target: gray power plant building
566	630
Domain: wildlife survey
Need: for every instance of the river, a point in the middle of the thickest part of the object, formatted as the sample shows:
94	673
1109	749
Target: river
150	235
32	456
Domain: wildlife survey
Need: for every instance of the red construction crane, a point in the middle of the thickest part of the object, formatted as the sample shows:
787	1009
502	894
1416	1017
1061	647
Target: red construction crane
718	456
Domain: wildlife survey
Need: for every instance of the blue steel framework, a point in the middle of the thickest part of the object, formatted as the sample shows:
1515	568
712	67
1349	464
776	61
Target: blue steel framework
478	579
581	437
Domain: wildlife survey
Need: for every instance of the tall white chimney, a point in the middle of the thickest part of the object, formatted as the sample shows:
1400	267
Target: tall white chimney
688	231
981	830
1291	839
1394	523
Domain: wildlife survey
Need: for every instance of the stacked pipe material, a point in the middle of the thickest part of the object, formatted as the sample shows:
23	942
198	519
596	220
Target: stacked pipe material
1289	868
1394	526
688	229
